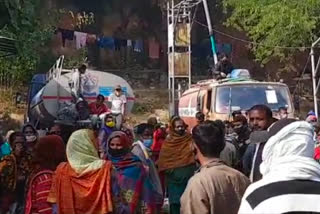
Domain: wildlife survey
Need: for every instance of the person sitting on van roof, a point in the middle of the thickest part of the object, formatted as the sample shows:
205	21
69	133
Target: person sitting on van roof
224	65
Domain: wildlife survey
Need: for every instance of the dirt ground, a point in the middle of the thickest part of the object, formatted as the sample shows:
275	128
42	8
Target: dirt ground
149	103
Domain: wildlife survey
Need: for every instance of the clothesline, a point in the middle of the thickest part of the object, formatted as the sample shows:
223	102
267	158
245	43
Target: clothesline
83	38
250	42
108	42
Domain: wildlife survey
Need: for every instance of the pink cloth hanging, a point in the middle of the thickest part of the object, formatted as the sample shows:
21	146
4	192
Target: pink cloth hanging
154	49
81	39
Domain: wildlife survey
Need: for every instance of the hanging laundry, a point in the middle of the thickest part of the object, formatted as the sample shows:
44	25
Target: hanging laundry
91	39
129	43
66	35
106	42
123	43
227	48
117	44
154	49
219	48
138	46
81	39
224	48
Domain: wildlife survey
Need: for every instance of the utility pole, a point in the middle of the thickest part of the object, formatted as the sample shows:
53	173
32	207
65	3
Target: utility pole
179	16
211	34
314	76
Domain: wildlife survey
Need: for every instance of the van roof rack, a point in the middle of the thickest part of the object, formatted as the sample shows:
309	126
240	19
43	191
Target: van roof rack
209	81
235	80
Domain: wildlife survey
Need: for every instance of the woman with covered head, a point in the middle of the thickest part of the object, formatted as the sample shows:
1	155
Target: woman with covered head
31	134
82	185
132	188
141	148
12	174
107	128
177	161
48	153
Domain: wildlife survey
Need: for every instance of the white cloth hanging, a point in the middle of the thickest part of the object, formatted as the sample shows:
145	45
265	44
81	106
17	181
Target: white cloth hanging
81	39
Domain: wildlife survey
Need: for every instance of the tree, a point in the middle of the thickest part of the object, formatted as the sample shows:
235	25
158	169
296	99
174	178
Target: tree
273	23
31	34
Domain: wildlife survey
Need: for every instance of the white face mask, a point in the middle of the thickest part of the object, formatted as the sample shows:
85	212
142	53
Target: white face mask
31	138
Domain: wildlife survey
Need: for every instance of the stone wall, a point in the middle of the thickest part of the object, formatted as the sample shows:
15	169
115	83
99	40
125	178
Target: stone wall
143	79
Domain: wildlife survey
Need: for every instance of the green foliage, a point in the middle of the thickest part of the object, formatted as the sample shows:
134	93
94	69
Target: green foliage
31	34
82	19
19	68
75	60
272	23
32	26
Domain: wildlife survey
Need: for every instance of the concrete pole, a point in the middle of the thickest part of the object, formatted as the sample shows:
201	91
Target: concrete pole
314	82
213	45
314	77
189	48
173	63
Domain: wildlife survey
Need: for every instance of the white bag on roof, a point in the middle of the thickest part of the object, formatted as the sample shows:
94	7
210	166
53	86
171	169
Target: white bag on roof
239	73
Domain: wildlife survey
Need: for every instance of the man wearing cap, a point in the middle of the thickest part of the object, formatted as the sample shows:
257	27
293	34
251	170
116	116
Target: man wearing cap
76	85
118	105
291	178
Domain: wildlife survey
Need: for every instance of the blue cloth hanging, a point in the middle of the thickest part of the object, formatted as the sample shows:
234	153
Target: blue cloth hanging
224	48
138	46
106	42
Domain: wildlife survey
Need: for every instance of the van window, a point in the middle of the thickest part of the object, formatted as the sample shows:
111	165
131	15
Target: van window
209	100
243	97
200	102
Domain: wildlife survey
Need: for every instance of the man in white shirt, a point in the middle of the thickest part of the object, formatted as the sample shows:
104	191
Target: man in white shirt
118	105
76	85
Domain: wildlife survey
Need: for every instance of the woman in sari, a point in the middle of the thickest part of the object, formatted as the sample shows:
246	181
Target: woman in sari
132	188
31	136
107	128
141	148
82	185
12	174
177	162
47	155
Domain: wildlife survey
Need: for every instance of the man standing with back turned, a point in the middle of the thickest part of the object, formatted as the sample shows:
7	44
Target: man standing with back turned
216	188
76	82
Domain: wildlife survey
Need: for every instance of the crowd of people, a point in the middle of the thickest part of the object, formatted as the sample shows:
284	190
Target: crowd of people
252	164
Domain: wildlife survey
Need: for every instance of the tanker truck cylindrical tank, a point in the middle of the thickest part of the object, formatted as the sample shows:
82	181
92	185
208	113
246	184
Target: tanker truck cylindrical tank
57	93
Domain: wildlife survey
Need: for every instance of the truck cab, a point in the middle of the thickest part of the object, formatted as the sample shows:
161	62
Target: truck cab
217	99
